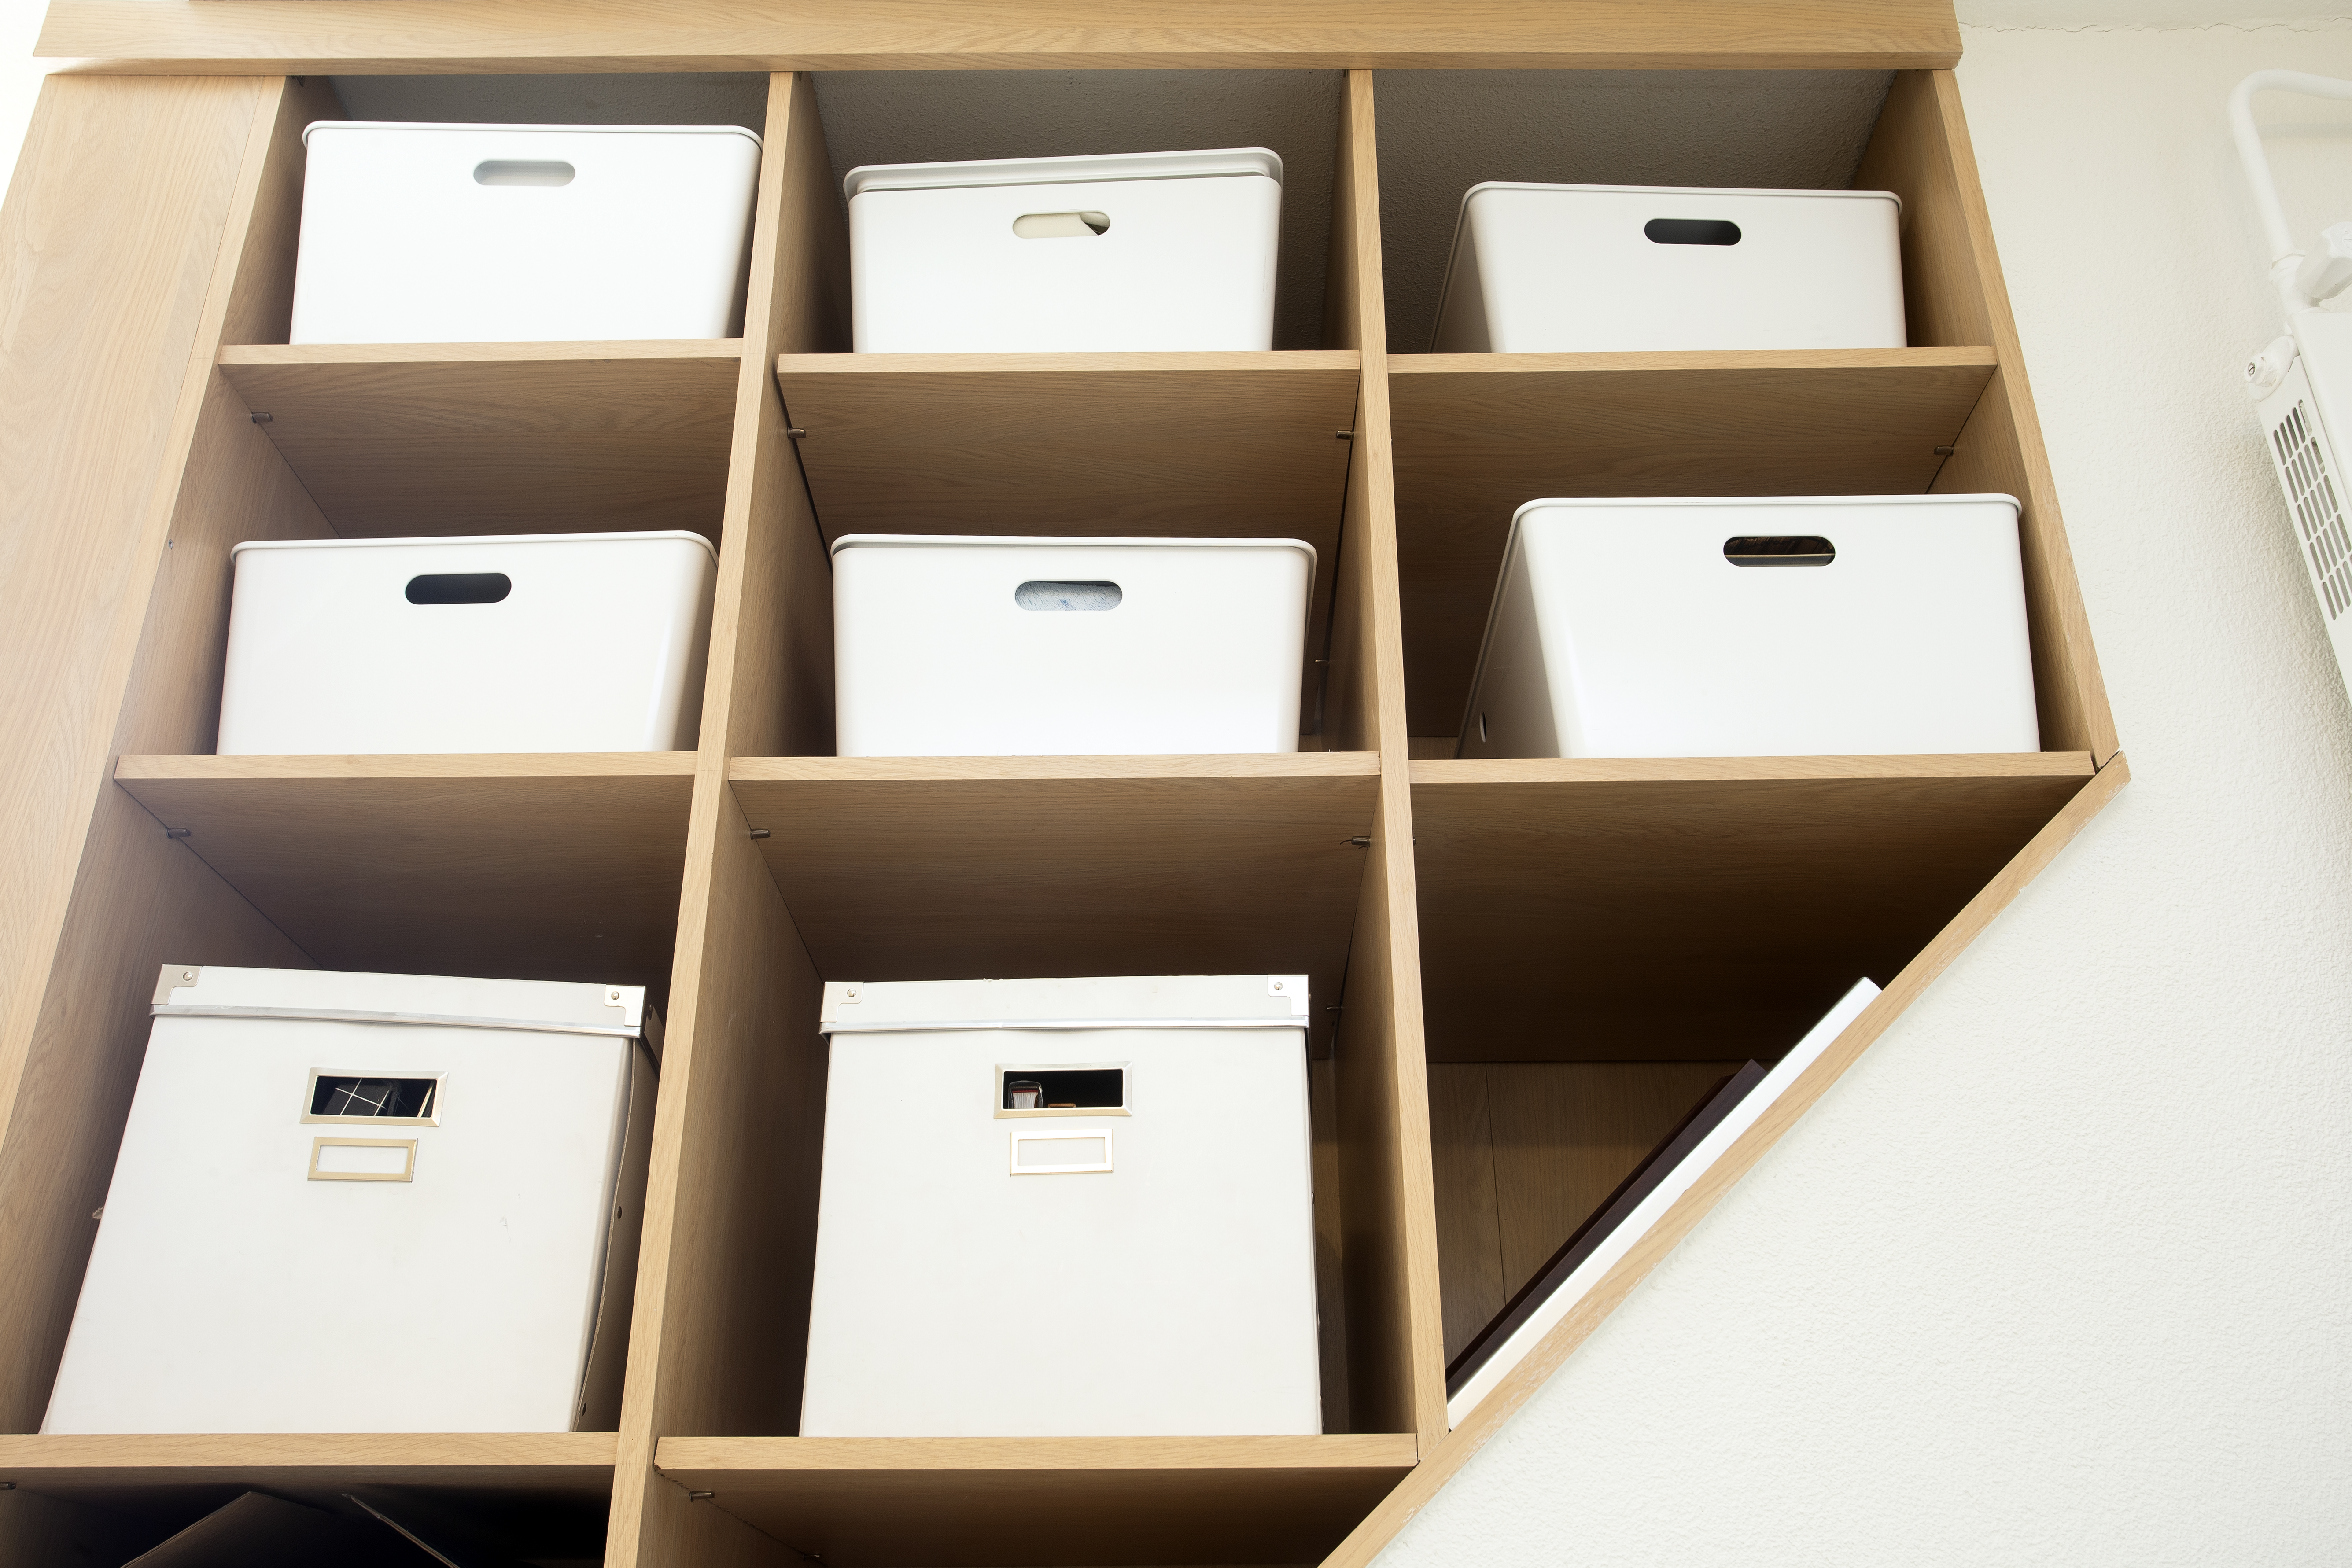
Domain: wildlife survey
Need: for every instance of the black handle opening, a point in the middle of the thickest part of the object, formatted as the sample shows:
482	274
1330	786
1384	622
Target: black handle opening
459	587
1778	549
1692	231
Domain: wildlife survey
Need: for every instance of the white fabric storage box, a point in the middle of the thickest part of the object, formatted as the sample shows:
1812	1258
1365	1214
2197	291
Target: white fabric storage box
1771	627
417	233
972	646
1567	269
368	1203
1069	1208
1139	251
504	643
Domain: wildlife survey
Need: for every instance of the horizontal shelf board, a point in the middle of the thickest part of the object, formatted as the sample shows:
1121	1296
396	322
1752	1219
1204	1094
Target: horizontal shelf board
395	36
1671	909
485	438
549	1462
1480	435
975	1500
943	868
536	867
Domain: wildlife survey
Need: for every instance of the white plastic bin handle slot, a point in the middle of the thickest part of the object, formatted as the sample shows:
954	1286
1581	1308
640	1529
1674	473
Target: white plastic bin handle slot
1043	595
523	171
459	587
1060	225
1061	1154
1691	231
363	1159
1777	549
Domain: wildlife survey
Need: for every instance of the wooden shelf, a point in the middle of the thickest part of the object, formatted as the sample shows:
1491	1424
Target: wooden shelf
113	1468
1009	1501
538	867
491	438
1480	435
944	868
1695	908
1165	445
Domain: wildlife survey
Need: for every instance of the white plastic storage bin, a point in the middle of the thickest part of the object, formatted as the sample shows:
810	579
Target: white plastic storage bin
466	234
1772	627
1064	1209
512	643
1140	251
1565	268
368	1203
957	646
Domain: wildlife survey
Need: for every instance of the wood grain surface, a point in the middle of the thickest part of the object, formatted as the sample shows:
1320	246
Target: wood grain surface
984	1501
544	867
395	36
472	438
1480	435
1706	911
575	1463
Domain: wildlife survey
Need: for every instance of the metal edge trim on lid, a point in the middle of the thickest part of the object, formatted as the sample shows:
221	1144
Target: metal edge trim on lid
471	125
437	1020
1208	163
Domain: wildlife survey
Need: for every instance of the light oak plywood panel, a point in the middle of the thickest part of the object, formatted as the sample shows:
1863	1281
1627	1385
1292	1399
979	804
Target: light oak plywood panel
1469	1231
984	1501
536	867
720	1321
395	36
1697	908
1480	435
496	438
1953	284
1389	1241
919	869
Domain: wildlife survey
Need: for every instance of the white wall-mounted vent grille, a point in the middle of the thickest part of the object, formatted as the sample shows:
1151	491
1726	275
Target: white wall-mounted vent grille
2318	509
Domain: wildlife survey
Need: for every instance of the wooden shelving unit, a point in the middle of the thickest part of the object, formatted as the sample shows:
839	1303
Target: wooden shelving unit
1518	966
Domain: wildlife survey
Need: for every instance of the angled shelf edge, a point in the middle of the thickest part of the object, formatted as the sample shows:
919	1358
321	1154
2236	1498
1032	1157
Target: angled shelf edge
556	866
402	439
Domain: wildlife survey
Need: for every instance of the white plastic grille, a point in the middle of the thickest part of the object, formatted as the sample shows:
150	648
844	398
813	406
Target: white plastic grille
2318	509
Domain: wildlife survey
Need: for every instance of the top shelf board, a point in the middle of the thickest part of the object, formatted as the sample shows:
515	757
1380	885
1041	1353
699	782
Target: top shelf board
525	35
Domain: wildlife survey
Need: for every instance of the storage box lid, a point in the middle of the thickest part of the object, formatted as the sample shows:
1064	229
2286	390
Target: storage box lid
501	539
990	542
597	129
1065	171
560	1007
1751	503
1119	1001
1675	191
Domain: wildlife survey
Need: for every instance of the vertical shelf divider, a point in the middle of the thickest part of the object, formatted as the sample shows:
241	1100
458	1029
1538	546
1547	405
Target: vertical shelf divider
719	1327
1388	1205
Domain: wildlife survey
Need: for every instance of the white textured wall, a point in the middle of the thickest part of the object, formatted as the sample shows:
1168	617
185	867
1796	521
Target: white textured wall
2058	1273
